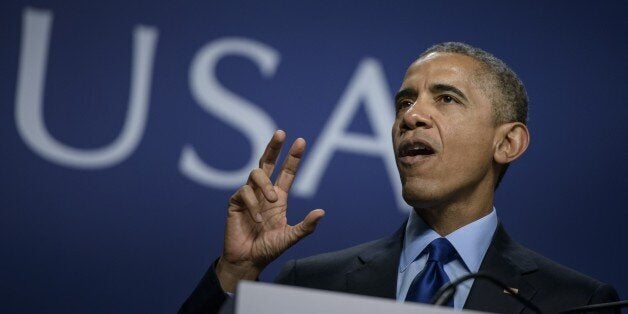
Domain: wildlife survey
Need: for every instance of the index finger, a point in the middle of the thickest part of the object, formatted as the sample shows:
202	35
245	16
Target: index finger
269	157
290	165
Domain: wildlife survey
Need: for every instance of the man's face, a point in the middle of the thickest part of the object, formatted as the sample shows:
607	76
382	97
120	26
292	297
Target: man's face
444	131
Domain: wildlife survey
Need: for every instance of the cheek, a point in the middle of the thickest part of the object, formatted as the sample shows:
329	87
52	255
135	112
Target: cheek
470	145
394	132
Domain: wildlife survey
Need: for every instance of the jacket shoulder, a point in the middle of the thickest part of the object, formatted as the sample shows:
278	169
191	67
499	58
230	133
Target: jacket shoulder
327	271
549	285
558	286
551	277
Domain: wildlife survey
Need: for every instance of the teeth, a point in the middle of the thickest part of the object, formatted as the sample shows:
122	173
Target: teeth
416	149
418	146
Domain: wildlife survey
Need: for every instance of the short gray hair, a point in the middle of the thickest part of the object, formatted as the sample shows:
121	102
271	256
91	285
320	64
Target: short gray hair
511	102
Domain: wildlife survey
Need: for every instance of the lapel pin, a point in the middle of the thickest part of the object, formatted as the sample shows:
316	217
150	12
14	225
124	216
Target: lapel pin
511	290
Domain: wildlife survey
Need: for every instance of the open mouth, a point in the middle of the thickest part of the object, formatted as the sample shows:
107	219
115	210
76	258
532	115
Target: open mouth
415	149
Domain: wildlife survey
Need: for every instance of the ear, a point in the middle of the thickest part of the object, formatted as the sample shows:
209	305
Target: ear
511	141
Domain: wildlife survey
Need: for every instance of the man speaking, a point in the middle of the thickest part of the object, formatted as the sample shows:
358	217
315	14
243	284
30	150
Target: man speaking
460	121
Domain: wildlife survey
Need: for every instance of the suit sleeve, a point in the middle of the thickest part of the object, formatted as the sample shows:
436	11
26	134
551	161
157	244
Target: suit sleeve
603	294
287	274
207	297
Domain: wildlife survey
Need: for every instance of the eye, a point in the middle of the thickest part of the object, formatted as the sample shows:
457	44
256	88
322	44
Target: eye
403	103
448	99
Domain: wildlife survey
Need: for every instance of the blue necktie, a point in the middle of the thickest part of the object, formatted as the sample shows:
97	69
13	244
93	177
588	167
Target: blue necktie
426	284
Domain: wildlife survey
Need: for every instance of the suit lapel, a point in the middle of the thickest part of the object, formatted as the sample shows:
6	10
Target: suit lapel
375	273
506	261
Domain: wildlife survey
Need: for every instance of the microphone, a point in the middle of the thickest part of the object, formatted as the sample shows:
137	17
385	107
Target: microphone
446	292
597	307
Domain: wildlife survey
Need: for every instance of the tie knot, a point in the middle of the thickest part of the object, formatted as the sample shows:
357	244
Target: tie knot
441	250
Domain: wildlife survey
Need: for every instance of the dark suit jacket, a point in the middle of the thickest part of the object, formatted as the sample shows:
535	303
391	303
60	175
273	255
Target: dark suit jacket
371	269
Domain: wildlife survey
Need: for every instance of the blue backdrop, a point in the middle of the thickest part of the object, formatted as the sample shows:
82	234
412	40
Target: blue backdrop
125	127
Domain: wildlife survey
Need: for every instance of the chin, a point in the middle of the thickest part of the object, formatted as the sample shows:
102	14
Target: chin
421	195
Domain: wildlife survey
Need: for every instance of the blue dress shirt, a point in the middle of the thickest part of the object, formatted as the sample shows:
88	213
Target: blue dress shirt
471	242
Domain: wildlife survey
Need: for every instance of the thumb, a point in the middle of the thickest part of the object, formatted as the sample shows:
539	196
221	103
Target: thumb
308	225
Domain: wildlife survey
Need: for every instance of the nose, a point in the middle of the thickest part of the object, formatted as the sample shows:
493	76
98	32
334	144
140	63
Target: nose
417	116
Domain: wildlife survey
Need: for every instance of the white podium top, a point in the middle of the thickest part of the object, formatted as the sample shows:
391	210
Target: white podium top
266	298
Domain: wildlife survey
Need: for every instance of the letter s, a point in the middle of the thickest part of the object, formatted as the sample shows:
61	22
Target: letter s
234	110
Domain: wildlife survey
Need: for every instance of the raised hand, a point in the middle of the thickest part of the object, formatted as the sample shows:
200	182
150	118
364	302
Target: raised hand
257	231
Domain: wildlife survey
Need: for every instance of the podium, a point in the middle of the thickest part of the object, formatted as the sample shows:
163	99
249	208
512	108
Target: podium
266	298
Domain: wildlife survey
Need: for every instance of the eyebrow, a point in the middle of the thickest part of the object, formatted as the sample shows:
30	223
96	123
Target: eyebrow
405	93
447	88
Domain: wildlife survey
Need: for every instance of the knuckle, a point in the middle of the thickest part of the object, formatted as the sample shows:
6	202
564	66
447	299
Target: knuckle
290	171
258	175
232	200
303	230
235	199
254	172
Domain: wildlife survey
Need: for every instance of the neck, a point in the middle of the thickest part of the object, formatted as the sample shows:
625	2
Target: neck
448	220
449	216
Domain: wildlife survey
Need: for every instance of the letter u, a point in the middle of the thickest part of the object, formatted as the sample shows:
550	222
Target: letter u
29	116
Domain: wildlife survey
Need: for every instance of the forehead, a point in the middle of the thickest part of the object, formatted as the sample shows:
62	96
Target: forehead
443	68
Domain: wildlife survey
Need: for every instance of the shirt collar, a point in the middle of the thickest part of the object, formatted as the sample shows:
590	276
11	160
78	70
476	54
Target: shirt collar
471	241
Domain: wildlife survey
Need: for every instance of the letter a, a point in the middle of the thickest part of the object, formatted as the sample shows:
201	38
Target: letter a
367	84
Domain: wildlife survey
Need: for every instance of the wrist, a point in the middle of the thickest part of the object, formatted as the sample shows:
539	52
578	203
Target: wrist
229	274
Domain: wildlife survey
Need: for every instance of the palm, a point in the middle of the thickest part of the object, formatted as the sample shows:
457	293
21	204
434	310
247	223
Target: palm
259	242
